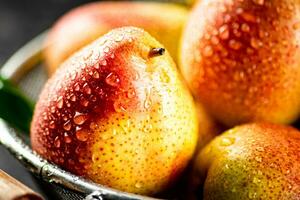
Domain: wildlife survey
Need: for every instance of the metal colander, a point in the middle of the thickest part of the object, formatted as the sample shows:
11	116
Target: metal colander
25	68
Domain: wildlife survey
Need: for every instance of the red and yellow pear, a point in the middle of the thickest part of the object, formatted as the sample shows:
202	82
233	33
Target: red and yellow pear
118	113
253	161
241	59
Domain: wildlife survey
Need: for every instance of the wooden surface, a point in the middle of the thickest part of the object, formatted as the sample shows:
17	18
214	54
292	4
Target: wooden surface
11	189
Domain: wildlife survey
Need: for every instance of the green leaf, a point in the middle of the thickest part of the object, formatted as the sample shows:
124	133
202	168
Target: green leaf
15	108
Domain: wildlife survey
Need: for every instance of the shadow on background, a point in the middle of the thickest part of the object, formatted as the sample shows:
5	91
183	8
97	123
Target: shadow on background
20	21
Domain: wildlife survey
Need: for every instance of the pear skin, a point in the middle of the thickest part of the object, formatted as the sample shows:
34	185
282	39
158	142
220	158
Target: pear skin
253	161
118	113
241	59
86	23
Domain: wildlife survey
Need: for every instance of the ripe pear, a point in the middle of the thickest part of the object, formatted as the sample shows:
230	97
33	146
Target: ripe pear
86	23
253	161
118	113
241	59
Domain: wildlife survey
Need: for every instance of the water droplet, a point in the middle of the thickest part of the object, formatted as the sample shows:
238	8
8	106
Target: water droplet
119	38
96	75
259	2
130	40
95	158
259	173
57	142
114	132
81	135
71	162
88	54
46	132
67	138
106	49
208	51
255	43
103	62
79	118
112	79
130	93
260	149
258	158
105	136
147	103
136	76
67	126
74	76
256	180
84	102
93	125
262	34
215	40
233	44
287	172
52	125
227	18
226	166
147	128
125	125
239	11
97	66
87	89
76	87
164	76
224	32
227	141
235	26
52	109
78	150
252	195
248	17
60	102
73	98
47	171
296	26
118	106
61	160
138	185
93	98
245	28
250	51
100	92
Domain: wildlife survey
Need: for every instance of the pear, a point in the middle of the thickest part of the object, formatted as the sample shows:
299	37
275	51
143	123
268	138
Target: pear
86	23
117	112
241	59
252	161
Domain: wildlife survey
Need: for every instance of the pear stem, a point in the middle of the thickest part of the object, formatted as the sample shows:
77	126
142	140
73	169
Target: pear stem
156	52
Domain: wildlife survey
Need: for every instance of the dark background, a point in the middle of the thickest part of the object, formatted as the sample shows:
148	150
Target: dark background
20	21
